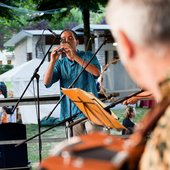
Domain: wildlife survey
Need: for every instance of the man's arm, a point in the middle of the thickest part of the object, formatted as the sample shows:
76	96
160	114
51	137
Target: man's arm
49	72
140	96
90	68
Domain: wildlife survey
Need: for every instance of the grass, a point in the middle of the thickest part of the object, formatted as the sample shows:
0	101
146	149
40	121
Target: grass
33	148
139	113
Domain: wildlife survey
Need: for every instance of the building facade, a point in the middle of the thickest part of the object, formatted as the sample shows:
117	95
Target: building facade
31	44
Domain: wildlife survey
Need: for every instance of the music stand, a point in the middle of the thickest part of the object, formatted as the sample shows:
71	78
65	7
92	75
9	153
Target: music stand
92	108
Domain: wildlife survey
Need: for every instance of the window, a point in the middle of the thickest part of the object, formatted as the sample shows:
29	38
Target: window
29	56
9	62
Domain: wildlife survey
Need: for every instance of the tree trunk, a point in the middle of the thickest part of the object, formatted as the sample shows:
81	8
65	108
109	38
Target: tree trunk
86	21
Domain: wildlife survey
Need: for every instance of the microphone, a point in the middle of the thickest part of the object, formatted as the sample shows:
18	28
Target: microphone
54	34
63	41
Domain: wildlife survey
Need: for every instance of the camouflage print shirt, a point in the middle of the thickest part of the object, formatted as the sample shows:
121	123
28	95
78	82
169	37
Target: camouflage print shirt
156	155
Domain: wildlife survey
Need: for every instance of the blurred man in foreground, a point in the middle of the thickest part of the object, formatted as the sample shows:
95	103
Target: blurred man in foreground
142	31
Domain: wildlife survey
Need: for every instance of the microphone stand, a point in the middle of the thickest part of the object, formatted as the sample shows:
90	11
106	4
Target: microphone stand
71	117
36	75
121	100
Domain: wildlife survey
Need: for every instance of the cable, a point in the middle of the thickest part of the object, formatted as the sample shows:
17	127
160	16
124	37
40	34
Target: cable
23	10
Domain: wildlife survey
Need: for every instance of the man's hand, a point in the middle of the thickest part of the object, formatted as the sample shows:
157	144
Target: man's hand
131	100
69	51
56	53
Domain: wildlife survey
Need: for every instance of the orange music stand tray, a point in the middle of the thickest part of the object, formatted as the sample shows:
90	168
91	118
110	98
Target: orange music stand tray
92	108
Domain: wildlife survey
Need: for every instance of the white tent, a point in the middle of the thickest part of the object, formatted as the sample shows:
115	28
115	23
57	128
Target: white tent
20	77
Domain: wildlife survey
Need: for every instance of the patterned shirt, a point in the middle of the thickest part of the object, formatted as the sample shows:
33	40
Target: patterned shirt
66	71
156	155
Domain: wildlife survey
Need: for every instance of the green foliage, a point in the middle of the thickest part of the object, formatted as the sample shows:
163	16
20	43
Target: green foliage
14	16
84	6
94	6
73	19
4	68
97	18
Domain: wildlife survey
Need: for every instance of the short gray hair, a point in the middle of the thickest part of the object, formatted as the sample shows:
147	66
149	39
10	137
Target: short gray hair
146	22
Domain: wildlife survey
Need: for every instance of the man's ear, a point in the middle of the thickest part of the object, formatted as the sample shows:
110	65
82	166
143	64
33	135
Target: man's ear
126	45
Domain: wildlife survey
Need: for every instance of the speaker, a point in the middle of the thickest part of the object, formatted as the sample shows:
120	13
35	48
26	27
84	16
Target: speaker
10	155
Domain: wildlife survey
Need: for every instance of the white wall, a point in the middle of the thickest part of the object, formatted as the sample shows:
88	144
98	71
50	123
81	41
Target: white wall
115	78
20	53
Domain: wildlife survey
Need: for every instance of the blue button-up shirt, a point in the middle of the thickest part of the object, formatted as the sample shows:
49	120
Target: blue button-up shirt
66	71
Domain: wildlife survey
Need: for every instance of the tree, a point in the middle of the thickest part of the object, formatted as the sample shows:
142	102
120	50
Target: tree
14	16
71	20
4	68
21	14
85	6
